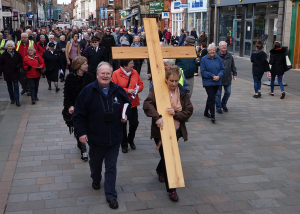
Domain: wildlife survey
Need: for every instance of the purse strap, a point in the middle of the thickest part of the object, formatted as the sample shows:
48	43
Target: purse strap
128	81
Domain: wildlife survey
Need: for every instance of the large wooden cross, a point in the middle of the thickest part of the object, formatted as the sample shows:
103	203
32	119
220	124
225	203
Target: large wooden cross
156	54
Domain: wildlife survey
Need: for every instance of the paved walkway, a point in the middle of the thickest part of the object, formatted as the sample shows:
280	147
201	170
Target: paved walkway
246	163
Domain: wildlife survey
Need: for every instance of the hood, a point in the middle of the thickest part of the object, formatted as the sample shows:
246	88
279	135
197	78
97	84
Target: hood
280	51
259	53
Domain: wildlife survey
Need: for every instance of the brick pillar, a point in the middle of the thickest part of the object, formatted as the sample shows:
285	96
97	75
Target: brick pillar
281	10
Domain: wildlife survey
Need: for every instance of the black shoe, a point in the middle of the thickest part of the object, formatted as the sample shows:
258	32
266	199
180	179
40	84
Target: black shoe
49	88
132	145
124	150
213	120
225	109
207	115
84	156
33	102
113	203
23	92
255	96
282	95
219	111
28	94
57	89
62	80
18	103
96	186
37	99
259	94
12	102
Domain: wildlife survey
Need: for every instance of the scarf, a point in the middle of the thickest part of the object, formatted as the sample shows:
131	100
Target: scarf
127	74
136	45
43	44
176	104
11	53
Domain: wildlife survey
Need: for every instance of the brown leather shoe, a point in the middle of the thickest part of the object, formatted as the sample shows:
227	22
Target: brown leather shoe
173	196
161	177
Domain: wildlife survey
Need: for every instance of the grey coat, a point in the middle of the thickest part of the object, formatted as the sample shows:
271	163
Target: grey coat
229	67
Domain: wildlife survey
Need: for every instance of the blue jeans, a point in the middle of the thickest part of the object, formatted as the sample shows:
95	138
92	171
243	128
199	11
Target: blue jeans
34	87
257	83
279	82
227	89
13	90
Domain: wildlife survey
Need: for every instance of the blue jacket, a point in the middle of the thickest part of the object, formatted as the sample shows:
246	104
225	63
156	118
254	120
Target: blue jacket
119	36
211	67
188	66
88	117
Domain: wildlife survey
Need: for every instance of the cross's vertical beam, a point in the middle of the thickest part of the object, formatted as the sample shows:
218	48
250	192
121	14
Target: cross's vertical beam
168	134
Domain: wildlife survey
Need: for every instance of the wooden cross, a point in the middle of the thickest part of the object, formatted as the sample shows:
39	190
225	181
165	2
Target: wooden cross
156	54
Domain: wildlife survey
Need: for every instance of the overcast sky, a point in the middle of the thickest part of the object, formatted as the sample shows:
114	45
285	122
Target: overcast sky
63	1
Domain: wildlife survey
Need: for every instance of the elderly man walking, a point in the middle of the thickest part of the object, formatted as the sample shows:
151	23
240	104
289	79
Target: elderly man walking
98	120
230	70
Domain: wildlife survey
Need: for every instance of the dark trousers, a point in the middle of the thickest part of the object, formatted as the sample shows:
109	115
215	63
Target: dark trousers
24	82
94	74
34	87
71	70
109	54
197	64
80	145
161	167
211	99
137	65
13	90
133	124
64	67
110	155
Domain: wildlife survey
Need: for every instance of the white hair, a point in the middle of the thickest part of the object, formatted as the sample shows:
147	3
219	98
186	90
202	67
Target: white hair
62	36
42	36
9	42
222	42
24	34
51	36
137	37
170	61
31	48
89	30
143	33
104	63
85	34
212	45
28	31
123	38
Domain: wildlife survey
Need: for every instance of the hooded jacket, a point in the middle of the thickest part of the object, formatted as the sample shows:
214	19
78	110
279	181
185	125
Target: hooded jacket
188	66
258	59
230	69
278	61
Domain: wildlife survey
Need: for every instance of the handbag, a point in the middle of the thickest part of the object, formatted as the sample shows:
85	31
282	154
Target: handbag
266	66
42	71
288	63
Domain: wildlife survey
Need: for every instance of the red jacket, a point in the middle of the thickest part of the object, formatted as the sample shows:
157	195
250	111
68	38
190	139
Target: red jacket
23	49
35	62
168	35
122	80
40	49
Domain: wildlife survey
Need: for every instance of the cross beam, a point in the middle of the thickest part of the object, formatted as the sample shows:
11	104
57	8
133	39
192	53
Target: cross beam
155	54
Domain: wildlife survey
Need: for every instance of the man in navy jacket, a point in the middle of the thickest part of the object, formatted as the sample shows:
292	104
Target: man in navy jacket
98	120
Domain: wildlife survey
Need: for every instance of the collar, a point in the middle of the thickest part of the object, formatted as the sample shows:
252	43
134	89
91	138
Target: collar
222	52
125	72
112	88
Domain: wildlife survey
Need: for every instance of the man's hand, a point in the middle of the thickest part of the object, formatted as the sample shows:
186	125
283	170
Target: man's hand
159	123
171	111
124	120
83	139
234	77
68	62
216	78
131	91
71	110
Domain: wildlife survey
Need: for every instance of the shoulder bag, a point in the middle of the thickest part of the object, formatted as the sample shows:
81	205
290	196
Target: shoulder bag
42	71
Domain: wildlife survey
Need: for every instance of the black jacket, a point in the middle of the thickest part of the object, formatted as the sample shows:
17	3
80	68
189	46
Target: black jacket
11	65
38	38
88	117
278	61
230	69
258	59
59	46
51	61
160	35
73	86
108	41
94	58
83	43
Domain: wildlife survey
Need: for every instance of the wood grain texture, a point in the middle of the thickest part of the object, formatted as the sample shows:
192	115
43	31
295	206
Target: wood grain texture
170	52
296	64
168	134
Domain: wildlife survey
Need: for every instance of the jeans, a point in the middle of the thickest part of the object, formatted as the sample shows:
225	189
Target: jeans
279	82
133	125
64	67
211	99
257	83
34	87
110	155
227	89
13	90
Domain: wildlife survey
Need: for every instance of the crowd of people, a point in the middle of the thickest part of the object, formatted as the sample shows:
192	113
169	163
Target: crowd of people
98	87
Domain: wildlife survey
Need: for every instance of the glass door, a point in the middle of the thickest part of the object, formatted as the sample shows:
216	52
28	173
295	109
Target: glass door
236	36
248	37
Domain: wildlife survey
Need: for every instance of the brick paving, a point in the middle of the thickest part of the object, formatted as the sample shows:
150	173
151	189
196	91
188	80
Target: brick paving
246	163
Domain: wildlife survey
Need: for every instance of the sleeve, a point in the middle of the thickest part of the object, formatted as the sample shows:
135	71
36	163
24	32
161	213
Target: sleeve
25	65
87	55
20	60
233	68
180	39
140	84
67	93
58	47
126	100
185	84
222	69
2	63
66	52
184	115
251	58
149	106
79	115
205	74
271	59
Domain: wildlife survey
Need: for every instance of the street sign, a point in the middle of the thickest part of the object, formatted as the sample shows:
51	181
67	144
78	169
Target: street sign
106	14
156	7
101	13
183	6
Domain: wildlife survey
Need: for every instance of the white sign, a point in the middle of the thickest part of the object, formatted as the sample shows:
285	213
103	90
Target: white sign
6	14
183	6
175	7
165	15
196	6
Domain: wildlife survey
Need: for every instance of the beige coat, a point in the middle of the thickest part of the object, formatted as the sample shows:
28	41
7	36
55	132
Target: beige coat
68	49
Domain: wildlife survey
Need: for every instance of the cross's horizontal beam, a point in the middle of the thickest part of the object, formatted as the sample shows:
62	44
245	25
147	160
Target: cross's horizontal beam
170	52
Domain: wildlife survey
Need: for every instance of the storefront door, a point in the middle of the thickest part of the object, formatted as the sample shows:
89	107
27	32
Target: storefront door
248	37
236	36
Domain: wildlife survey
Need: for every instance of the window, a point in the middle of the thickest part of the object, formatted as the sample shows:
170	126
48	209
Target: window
177	22
111	2
29	6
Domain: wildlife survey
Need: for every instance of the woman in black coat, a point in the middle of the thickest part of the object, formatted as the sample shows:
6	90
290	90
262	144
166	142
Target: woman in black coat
61	48
52	62
10	63
278	62
75	82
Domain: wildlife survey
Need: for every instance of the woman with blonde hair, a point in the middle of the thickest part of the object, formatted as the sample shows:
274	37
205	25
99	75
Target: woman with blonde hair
74	83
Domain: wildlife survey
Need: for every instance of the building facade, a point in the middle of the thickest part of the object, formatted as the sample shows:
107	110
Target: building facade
294	51
197	15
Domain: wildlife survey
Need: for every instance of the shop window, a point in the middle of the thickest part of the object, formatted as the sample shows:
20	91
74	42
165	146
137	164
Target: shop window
177	22
249	12
239	12
111	2
225	28
29	6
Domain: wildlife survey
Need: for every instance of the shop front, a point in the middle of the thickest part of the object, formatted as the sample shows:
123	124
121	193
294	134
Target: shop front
177	17
242	23
197	14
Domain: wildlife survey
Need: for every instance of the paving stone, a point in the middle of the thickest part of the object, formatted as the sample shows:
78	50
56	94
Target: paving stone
263	203
176	210
62	202
135	205
270	193
159	203
205	209
253	179
17	198
23	206
43	196
232	206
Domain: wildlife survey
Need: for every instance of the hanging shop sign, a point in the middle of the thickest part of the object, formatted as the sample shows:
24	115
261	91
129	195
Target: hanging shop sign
156	7
183	6
165	15
175	7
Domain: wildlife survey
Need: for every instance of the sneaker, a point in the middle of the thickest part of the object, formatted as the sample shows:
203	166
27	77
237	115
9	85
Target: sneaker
49	88
12	102
132	145
225	109
219	111
259	94
57	89
18	103
255	96
113	204
23	92
161	177
84	156
124	150
33	102
37	99
207	115
173	196
96	186
282	95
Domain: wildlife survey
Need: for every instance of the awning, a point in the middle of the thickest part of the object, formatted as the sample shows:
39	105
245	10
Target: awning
132	14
